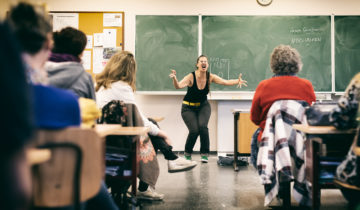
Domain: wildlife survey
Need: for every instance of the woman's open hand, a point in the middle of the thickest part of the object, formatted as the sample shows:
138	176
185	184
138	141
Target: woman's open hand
241	81
173	74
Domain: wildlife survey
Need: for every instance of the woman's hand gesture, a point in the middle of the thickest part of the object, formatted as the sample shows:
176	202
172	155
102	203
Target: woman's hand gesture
241	81
173	74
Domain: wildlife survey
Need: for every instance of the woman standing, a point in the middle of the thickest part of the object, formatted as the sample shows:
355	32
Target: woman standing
195	109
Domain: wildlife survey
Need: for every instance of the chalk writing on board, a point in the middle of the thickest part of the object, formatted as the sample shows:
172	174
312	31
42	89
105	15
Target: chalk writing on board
305	40
312	35
220	67
305	30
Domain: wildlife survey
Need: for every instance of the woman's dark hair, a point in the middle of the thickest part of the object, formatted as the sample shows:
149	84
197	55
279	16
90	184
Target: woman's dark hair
31	26
69	41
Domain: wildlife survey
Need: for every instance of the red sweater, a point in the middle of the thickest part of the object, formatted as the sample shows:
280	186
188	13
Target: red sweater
279	88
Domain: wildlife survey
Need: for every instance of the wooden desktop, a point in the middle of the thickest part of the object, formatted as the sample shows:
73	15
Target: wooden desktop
318	142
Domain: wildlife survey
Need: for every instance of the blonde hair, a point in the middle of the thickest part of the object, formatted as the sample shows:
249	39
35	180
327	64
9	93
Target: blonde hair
121	66
285	60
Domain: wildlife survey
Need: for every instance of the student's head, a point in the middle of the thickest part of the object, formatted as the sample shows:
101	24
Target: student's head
69	41
121	66
202	62
285	60
32	27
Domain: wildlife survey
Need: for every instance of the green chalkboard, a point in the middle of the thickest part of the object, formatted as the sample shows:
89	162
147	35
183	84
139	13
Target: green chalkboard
347	50
243	44
163	43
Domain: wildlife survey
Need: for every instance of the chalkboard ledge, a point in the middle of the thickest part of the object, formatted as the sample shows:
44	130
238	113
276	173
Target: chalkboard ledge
231	95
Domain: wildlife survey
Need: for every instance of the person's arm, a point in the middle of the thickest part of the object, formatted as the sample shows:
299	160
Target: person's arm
186	81
218	80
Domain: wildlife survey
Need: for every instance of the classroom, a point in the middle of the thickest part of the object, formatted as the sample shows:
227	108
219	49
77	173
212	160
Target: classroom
166	102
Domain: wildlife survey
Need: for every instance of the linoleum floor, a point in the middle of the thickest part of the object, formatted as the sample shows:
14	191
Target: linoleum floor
210	186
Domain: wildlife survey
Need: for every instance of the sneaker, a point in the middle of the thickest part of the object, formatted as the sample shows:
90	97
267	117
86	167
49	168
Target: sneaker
187	157
204	159
180	164
149	194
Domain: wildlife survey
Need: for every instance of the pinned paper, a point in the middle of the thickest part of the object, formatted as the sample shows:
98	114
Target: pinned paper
62	20
97	59
86	59
98	39
112	20
89	42
110	51
109	37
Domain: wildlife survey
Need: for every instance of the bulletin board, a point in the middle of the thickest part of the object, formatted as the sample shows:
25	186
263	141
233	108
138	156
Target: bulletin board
93	24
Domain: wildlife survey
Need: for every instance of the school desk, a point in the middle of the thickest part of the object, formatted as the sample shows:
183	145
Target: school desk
323	145
243	130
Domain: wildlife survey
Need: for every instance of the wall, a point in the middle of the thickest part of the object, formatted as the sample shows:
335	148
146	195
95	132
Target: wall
221	122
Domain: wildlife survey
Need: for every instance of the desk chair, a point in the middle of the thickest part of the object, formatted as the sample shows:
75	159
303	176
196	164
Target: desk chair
281	154
128	146
348	174
75	170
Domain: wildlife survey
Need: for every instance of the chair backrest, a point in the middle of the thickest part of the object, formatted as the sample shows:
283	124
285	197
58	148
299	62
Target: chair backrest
280	143
53	181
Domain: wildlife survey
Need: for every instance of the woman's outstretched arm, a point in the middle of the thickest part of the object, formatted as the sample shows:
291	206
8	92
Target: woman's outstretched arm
186	81
218	80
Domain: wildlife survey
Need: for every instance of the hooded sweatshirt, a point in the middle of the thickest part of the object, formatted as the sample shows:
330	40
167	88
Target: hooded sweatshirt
72	76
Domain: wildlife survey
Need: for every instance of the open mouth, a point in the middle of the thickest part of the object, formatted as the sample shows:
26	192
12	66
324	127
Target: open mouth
203	66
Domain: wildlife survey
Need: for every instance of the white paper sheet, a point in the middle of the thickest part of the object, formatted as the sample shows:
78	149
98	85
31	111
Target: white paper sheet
62	20
89	42
86	59
109	37
98	39
112	19
97	60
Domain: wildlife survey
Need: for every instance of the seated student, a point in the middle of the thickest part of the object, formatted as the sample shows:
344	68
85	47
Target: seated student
117	82
64	67
16	125
53	108
347	115
285	63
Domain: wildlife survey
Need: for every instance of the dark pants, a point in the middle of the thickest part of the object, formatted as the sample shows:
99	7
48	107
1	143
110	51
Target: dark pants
159	143
196	120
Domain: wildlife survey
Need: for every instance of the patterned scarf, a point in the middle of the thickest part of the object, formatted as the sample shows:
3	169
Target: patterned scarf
63	57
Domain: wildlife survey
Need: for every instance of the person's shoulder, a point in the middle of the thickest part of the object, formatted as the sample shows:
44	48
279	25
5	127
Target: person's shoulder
121	84
62	104
305	81
51	94
265	82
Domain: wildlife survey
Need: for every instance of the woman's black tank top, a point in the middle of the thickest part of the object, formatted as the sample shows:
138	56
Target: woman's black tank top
195	95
